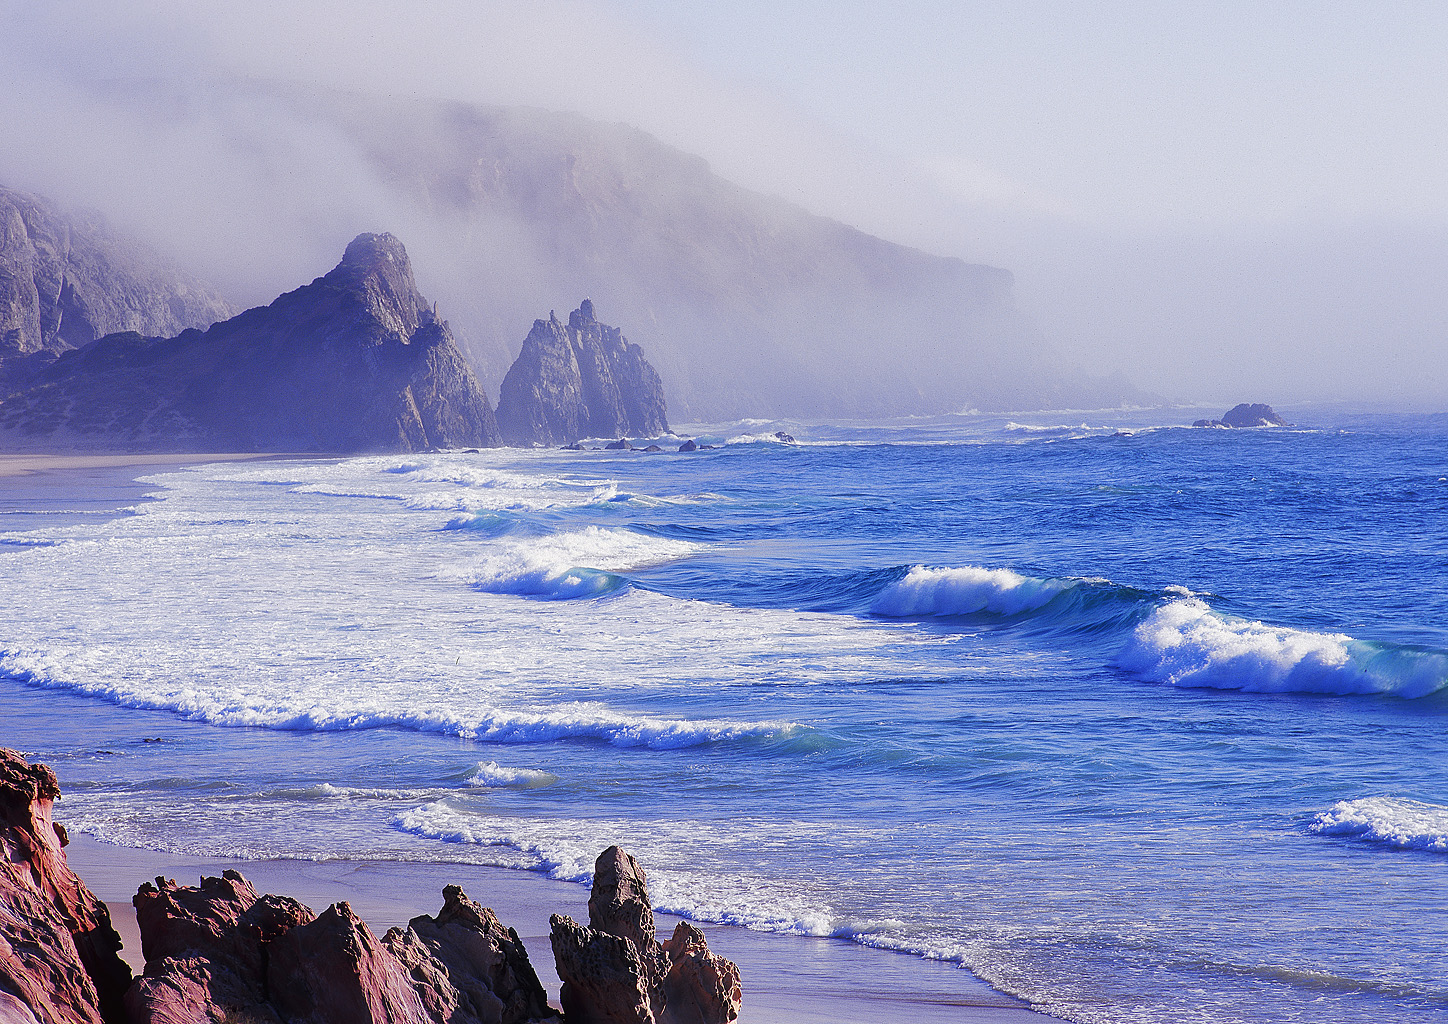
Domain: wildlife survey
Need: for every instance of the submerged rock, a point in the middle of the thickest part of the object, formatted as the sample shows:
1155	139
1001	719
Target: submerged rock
582	379
58	951
614	971
355	361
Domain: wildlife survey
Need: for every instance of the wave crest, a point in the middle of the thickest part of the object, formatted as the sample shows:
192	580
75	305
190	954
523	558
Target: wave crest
1186	643
1405	824
578	564
968	590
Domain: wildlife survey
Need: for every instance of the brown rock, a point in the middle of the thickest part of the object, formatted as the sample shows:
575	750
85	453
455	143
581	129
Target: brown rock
58	961
335	971
614	972
605	980
484	961
619	902
702	987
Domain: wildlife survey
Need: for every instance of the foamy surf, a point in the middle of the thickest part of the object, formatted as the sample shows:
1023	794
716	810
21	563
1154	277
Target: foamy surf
1391	821
575	564
1187	643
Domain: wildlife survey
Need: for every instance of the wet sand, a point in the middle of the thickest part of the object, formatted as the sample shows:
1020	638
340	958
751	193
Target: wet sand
787	979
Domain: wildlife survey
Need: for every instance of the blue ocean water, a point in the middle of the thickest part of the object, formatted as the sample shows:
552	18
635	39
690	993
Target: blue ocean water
1135	721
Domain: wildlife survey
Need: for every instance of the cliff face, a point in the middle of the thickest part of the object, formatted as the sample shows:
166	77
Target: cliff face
580	380
355	361
58	951
68	279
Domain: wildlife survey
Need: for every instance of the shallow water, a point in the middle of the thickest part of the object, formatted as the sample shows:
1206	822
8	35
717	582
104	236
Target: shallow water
1140	723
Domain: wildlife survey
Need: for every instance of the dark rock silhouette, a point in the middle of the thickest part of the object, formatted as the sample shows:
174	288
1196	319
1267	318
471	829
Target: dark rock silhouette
582	379
67	279
58	951
1245	415
615	972
355	361
689	446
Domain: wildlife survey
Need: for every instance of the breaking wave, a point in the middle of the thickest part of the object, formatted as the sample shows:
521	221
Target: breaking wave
1187	643
491	775
578	564
570	721
968	590
1171	635
1405	824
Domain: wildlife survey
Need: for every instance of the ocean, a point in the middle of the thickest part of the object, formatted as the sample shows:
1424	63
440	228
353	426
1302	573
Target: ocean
1138	722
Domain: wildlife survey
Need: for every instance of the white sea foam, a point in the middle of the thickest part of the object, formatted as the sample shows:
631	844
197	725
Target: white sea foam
1186	643
966	590
1407	824
491	775
565	849
579	563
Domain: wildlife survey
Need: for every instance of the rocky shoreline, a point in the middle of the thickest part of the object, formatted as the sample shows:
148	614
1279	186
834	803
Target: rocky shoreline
219	951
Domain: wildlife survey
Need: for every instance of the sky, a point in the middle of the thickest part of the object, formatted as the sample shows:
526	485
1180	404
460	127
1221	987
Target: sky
1226	201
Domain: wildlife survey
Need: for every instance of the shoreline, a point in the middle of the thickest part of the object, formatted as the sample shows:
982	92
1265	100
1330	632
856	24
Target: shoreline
787	979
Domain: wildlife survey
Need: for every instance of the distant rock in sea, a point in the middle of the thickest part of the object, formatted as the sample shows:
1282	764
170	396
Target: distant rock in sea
356	361
582	379
67	279
1245	415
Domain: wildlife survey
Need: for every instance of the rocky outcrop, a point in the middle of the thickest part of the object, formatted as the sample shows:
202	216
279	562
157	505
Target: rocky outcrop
219	950
614	971
58	951
67	279
484	962
582	379
1245	415
355	361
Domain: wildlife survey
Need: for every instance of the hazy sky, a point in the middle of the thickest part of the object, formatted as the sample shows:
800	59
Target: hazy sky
1226	200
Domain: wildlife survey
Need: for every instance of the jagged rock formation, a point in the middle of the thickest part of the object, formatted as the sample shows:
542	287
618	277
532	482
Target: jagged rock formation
580	380
220	949
355	361
1245	415
615	972
58	951
67	279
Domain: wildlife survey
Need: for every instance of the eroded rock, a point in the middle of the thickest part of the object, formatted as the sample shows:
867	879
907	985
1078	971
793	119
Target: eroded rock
58	951
580	379
615	972
218	949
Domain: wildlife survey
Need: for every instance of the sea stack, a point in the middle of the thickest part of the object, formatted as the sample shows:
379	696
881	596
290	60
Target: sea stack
356	361
576	380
